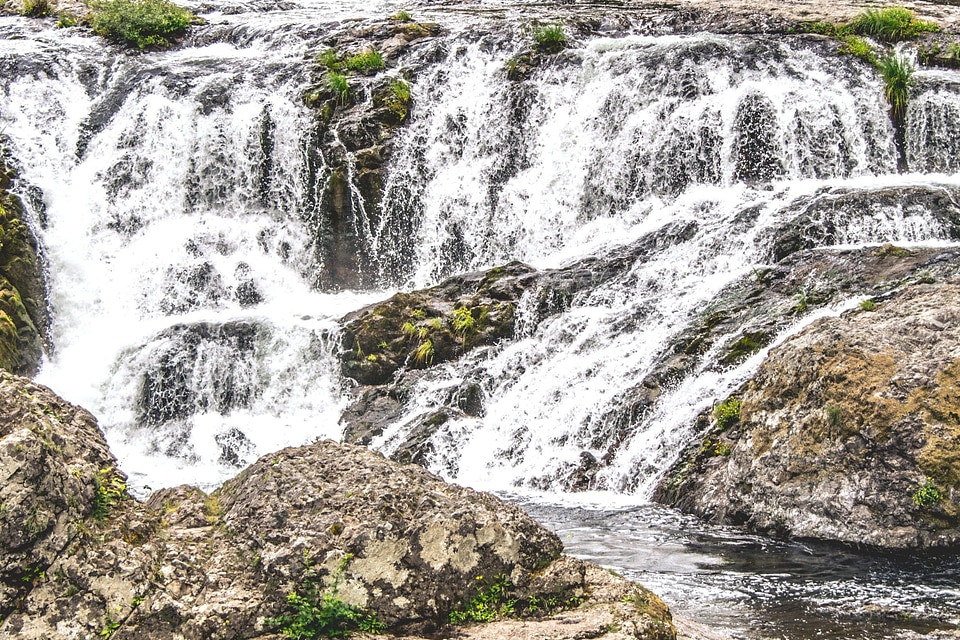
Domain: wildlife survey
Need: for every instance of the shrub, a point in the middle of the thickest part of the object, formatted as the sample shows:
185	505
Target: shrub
365	62
36	8
331	60
401	16
139	23
727	413
65	20
891	24
927	494
549	39
868	305
488	604
897	72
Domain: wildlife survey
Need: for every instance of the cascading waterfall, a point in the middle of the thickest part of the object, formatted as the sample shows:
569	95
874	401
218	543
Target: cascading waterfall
177	197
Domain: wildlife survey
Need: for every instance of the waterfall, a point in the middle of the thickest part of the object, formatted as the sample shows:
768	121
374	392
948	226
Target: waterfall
181	199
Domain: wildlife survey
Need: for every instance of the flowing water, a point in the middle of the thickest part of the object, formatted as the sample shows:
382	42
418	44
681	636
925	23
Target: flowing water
174	196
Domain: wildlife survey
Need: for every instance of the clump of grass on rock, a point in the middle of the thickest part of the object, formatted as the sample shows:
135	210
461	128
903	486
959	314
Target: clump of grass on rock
140	23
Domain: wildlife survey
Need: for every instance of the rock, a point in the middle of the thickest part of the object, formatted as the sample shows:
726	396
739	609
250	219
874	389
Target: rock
24	321
849	431
324	520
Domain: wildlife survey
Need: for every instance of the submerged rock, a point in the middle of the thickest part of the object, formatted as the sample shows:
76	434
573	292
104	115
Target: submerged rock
324	521
849	431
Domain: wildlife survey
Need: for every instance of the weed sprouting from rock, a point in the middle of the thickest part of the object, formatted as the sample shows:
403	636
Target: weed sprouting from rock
891	24
927	494
110	489
727	413
316	612
139	23
489	603
897	73
550	39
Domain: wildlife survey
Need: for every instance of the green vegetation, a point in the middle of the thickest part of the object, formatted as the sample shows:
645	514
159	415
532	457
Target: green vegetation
365	62
488	604
463	323
955	50
834	415
897	72
713	447
110	490
727	413
398	100
401	16
320	613
549	39
859	48
139	23
36	8
927	494
65	20
868	305
339	85
424	353
891	24
110	627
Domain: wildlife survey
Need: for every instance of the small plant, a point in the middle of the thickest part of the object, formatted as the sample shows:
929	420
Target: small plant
372	358
339	85
110	489
927	494
891	24
408	328
834	415
331	60
549	39
424	353
316	613
398	100
897	72
464	324
139	23
365	62
401	16
488	604
955	50
418	314
36	8
824	28
803	302
858	48
110	627
727	413
382	345
66	20
868	305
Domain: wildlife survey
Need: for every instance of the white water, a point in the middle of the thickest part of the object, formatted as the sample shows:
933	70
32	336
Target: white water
181	265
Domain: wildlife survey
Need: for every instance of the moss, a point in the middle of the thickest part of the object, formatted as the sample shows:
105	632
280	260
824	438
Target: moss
892	251
748	344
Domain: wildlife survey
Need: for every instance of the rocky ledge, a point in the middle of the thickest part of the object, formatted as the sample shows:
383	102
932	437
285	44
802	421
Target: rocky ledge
322	531
849	431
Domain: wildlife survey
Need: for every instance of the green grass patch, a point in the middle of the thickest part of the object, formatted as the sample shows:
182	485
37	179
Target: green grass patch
36	8
927	494
489	603
365	62
401	16
891	24
897	73
139	23
868	305
339	85
859	48
549	38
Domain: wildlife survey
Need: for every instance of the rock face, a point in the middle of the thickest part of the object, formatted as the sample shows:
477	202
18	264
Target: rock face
23	311
849	431
322	521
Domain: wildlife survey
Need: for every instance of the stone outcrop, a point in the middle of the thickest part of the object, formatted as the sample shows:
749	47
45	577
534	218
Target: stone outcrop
23	305
849	431
322	521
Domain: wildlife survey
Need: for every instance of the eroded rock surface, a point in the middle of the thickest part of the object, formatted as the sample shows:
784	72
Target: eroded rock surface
849	431
326	518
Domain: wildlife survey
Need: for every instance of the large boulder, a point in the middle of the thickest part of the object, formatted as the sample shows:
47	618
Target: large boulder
849	431
301	529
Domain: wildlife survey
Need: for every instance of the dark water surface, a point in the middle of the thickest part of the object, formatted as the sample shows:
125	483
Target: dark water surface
755	587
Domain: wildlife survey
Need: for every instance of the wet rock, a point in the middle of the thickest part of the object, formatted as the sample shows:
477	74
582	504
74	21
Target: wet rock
24	321
847	432
324	519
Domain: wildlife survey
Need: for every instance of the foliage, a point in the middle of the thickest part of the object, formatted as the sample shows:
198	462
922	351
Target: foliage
488	604
834	415
330	59
65	20
110	627
110	489
891	24
316	613
339	85
927	494
36	8
714	447
858	48
868	305
955	50
424	353
463	323
727	413
401	16
824	29
897	72
549	39
365	62
139	23
398	100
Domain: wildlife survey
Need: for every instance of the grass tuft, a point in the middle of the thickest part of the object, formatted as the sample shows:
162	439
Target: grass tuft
550	39
139	23
365	62
891	24
897	73
401	16
859	48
